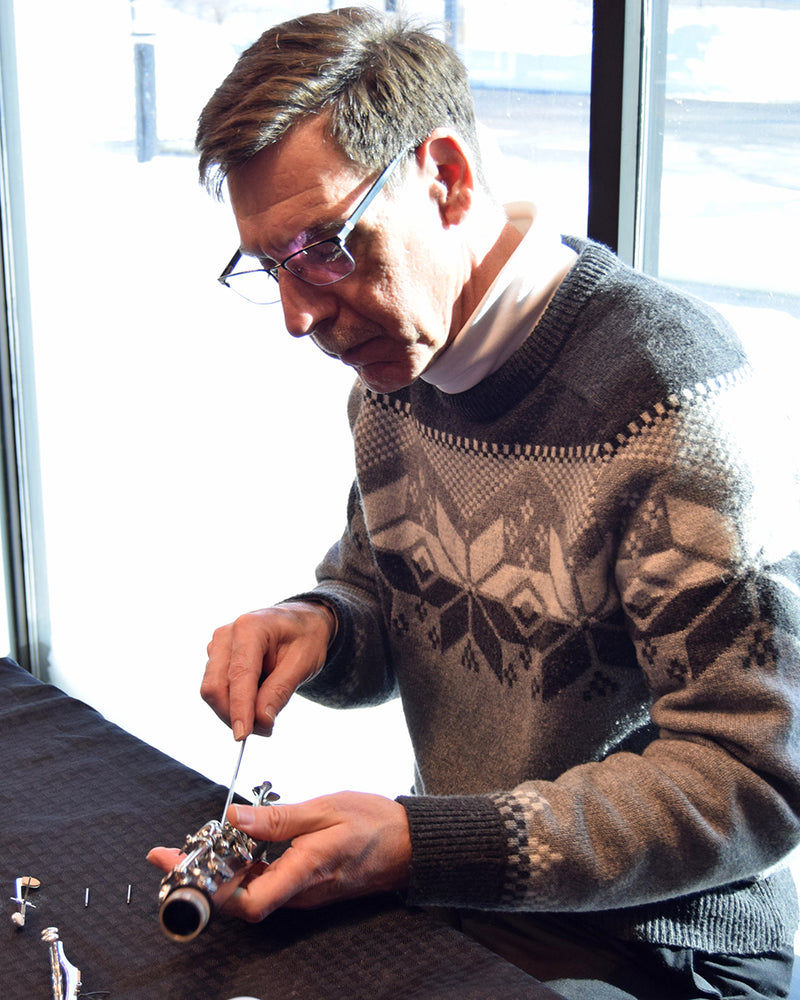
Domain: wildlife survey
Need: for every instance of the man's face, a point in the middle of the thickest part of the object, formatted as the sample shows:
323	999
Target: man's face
395	312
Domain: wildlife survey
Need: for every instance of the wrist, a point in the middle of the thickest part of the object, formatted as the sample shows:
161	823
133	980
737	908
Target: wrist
327	608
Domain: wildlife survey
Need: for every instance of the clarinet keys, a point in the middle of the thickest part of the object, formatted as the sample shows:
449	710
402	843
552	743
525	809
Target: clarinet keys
64	976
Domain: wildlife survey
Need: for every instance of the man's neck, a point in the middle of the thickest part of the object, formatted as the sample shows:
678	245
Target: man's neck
510	306
494	250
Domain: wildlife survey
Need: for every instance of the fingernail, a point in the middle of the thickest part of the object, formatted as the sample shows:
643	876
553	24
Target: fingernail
243	815
239	731
269	716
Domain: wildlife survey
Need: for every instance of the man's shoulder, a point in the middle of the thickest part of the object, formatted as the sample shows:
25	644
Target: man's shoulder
637	330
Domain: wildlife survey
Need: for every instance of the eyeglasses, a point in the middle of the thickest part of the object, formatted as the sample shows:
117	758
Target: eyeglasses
321	263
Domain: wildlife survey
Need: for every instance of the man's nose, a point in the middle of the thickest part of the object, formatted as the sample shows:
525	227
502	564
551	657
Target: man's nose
305	306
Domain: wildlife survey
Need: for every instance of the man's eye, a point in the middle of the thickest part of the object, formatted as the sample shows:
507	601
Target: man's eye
299	266
322	253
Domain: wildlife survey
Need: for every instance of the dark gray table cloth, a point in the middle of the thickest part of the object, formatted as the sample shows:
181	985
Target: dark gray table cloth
81	803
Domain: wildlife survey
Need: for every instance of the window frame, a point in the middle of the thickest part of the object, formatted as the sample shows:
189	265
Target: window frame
626	128
21	522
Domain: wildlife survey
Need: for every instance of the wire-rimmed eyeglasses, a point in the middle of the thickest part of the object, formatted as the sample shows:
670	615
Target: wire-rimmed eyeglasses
322	263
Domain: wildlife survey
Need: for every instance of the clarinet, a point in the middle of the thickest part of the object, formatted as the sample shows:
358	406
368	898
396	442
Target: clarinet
216	860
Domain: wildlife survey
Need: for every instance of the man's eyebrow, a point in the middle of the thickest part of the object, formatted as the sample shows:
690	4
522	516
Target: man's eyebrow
321	230
311	234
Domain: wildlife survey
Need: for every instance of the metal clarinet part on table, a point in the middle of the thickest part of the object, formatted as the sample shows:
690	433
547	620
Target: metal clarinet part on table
217	858
64	976
23	885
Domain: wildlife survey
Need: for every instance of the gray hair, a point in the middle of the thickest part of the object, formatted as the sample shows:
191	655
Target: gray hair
382	82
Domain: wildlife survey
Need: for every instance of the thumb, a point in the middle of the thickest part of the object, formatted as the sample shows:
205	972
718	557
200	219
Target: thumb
260	822
283	822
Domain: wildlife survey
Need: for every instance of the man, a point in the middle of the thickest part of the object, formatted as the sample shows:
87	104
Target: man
567	550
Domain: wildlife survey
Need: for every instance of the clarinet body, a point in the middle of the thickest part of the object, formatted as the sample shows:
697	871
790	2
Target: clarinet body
216	861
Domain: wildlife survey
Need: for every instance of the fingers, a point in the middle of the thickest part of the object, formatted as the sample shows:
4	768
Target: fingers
283	822
301	871
164	858
249	646
214	685
275	693
257	663
268	888
342	846
300	640
291	881
237	659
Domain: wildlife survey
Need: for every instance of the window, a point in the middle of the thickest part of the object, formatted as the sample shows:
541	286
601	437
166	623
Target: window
719	199
728	200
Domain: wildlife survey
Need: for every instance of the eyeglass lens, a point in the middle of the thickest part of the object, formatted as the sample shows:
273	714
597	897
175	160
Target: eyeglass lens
321	263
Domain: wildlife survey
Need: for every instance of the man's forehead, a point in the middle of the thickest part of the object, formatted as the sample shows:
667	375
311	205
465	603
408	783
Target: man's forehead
297	184
306	163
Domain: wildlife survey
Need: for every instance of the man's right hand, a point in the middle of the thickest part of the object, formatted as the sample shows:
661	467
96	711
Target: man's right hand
256	663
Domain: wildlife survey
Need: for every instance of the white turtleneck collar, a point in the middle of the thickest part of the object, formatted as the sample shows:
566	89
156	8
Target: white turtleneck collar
510	309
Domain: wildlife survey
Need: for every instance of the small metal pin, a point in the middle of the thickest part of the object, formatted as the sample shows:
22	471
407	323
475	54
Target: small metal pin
128	899
86	898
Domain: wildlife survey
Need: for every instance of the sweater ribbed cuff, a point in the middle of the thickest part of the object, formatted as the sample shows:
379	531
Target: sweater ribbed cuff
459	850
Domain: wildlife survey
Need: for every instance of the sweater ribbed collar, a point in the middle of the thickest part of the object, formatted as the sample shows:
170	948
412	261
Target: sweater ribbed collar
501	390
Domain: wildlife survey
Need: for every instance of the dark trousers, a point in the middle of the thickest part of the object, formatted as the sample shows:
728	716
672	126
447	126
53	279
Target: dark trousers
581	962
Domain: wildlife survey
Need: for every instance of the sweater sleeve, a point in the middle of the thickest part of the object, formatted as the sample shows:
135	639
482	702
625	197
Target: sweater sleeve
357	672
710	586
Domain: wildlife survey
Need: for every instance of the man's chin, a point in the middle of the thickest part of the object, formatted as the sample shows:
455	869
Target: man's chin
384	378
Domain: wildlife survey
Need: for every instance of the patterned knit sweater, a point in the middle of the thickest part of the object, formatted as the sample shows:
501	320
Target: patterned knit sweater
579	578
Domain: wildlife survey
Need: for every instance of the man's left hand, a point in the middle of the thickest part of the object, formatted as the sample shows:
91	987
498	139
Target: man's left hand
342	846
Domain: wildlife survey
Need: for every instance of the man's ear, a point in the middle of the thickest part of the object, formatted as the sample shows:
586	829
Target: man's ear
448	164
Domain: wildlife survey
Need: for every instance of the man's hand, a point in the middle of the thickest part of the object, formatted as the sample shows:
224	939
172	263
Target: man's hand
342	846
257	663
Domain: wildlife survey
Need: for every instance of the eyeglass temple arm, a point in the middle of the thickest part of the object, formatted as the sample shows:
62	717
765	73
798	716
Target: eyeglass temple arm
373	192
229	268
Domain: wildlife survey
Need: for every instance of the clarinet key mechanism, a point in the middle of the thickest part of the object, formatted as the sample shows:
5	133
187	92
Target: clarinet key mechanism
65	978
217	858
